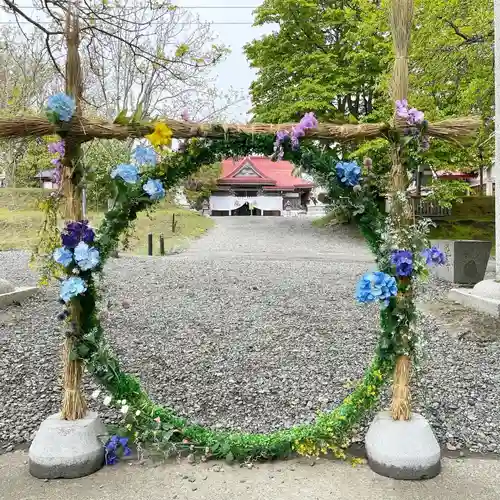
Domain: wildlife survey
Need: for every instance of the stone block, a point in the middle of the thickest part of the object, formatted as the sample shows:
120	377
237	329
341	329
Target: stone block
67	448
402	449
6	286
466	260
484	297
17	295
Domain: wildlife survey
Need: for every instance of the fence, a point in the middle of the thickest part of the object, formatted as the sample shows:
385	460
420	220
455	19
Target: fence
425	208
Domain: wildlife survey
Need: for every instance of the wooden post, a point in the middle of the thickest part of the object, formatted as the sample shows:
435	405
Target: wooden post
150	244
400	212
162	244
74	405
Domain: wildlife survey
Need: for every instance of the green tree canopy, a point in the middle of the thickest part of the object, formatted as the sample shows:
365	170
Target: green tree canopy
327	56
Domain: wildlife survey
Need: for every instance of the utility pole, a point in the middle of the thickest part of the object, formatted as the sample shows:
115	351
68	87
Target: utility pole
496	169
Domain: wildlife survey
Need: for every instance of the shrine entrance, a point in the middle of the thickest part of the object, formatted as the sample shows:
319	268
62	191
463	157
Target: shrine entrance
245	209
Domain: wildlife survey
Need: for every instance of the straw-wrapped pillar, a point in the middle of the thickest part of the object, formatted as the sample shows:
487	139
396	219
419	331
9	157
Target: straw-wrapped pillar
74	406
400	212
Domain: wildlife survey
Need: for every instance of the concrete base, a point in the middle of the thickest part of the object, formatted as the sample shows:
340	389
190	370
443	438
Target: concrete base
67	448
18	295
484	297
402	449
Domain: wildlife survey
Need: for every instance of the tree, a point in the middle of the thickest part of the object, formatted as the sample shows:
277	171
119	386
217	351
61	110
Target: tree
154	54
199	186
328	57
26	79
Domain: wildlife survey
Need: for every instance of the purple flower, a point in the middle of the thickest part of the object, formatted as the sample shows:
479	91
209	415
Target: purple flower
111	458
75	232
415	117
114	445
281	136
434	256
308	121
56	175
403	260
56	148
425	144
402	109
185	115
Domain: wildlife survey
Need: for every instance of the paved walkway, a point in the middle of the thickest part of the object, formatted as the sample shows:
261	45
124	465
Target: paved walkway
472	479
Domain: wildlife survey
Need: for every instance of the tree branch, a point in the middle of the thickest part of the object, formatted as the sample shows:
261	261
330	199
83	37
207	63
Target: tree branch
17	10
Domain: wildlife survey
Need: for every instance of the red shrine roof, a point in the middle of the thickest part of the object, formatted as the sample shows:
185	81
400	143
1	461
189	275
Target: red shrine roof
261	171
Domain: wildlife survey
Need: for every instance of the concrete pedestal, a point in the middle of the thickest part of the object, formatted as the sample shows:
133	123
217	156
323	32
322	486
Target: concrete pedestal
67	448
484	297
466	260
402	449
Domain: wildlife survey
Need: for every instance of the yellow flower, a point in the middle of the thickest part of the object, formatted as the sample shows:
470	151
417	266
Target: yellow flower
162	135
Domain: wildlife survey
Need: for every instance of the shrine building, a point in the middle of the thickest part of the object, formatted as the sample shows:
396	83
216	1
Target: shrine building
256	185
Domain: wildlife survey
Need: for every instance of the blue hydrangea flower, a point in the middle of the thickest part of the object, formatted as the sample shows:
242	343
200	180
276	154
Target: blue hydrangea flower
71	288
127	172
63	256
62	105
154	188
376	286
86	257
434	256
144	155
403	260
348	173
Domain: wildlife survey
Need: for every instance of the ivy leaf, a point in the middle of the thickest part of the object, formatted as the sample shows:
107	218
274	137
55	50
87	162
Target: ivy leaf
83	350
137	114
122	119
73	355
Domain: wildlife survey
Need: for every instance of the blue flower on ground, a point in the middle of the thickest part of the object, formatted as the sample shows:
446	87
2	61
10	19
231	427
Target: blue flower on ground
376	286
144	155
114	447
127	172
154	188
63	256
62	105
86	257
403	260
349	173
434	256
71	288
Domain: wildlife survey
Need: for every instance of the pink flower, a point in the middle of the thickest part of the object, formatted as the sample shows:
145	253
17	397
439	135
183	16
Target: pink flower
185	441
158	420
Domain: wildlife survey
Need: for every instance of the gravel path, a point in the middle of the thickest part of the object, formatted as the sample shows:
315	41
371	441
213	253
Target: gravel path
254	327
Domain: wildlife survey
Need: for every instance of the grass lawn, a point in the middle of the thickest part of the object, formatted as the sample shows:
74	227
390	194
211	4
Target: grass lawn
478	229
465	230
19	228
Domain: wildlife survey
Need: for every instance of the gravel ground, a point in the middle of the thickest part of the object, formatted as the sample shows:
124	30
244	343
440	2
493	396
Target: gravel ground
254	328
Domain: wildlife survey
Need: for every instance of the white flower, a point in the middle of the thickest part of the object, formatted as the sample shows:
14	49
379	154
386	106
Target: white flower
123	401
137	413
107	400
95	394
124	409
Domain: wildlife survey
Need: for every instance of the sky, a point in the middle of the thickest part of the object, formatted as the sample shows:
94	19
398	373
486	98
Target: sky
232	21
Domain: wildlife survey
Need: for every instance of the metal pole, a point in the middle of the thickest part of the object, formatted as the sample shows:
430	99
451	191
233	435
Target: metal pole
162	245
150	244
84	203
497	137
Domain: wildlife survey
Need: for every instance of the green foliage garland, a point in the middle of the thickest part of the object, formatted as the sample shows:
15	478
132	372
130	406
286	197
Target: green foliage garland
150	423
